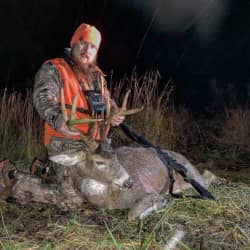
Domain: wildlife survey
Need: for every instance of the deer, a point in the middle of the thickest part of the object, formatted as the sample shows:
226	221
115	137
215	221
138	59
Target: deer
132	178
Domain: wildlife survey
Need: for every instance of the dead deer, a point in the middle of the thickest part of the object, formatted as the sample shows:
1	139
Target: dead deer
126	177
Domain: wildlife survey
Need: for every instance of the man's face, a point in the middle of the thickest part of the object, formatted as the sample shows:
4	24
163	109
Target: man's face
84	53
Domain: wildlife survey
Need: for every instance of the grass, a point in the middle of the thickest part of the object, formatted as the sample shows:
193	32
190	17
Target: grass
21	130
160	121
224	224
218	143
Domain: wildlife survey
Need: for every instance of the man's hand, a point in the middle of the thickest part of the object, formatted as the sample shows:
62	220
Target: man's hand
117	120
65	130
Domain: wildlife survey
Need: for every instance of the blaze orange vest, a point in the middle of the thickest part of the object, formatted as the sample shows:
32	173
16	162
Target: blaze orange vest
71	87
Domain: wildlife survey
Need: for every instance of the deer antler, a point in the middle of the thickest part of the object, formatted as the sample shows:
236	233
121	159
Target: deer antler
71	121
123	110
105	123
119	111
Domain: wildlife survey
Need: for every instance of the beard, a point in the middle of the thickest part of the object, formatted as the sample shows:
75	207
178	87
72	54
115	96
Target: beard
81	69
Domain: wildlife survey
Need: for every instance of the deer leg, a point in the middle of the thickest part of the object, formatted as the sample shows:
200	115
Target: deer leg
146	206
104	195
95	192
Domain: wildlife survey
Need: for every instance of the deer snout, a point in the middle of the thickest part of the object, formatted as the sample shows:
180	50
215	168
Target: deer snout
129	183
123	181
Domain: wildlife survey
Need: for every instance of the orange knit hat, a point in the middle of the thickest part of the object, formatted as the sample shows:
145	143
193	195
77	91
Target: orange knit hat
87	33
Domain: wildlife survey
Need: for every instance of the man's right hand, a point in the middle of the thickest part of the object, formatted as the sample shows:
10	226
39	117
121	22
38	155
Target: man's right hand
65	130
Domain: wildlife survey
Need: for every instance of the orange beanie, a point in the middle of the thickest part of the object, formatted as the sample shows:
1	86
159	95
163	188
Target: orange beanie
87	33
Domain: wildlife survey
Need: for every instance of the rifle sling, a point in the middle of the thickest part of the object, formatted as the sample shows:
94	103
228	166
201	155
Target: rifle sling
169	162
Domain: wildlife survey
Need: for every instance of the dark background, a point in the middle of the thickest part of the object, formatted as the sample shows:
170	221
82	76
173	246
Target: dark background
196	43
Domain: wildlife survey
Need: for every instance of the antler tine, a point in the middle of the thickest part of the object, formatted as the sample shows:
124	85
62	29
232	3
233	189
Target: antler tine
73	109
105	125
124	113
131	111
83	121
125	101
123	110
63	107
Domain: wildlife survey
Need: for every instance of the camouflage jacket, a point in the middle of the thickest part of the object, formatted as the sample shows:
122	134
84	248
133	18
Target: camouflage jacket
48	84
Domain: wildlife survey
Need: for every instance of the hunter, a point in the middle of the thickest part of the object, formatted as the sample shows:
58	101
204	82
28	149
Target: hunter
85	167
59	81
76	74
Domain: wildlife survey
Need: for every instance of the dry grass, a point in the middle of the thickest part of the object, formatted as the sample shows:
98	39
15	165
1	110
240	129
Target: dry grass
236	128
20	127
145	92
160	122
228	138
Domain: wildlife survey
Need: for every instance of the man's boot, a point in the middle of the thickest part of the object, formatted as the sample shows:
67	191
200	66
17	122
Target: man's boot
39	168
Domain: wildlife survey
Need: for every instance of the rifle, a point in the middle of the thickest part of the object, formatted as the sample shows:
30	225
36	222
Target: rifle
169	162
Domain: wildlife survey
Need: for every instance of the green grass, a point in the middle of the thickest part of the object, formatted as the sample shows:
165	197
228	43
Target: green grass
224	224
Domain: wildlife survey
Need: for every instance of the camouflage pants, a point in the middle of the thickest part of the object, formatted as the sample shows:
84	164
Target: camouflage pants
62	187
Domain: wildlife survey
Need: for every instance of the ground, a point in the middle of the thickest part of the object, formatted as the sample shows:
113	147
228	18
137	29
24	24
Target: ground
224	224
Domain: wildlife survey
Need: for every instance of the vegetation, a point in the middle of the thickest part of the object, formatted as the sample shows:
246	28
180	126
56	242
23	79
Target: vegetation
219	142
20	127
208	225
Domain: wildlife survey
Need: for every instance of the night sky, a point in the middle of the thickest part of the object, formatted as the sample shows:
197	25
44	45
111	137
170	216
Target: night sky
191	42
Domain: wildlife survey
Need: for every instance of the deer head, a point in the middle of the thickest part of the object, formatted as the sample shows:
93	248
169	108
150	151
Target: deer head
103	166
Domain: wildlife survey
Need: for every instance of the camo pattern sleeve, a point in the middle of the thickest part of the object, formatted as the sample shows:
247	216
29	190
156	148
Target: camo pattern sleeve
45	94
